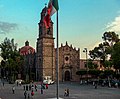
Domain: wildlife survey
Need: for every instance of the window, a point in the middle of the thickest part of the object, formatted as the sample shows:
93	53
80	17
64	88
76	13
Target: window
66	58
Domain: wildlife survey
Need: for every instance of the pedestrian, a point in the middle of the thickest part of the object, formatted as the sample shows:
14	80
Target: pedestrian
65	92
95	84
3	83
28	96
17	83
13	89
24	87
46	86
35	87
41	90
32	87
25	94
32	94
29	86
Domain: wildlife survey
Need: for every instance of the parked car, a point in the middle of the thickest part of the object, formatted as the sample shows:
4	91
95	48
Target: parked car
48	80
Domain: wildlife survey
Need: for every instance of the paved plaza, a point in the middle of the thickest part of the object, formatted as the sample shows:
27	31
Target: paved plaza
77	91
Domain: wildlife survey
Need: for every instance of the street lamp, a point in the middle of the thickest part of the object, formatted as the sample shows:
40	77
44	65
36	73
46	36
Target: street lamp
86	51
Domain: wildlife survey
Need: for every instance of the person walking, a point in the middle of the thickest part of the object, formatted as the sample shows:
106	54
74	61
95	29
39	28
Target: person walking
29	86
32	87
26	87
95	85
25	94
46	86
35	87
3	83
65	92
17	83
32	94
41	90
28	96
13	89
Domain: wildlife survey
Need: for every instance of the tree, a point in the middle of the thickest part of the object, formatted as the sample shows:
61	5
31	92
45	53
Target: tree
111	38
5	49
108	64
81	72
116	56
94	72
105	52
108	72
10	56
92	65
98	53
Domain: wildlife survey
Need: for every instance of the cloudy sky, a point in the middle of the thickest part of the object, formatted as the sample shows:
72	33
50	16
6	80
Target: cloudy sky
81	22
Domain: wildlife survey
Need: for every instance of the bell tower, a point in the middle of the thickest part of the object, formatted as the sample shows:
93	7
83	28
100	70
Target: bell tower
45	51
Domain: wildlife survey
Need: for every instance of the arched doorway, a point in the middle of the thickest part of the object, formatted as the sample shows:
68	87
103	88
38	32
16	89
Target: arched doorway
67	76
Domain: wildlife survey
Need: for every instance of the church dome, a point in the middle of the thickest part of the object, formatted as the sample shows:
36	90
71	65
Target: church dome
27	49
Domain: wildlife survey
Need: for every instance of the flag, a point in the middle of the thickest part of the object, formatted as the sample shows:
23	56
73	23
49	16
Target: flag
52	8
53	4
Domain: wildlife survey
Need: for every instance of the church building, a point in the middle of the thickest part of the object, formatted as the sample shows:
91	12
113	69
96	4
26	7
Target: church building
69	58
44	60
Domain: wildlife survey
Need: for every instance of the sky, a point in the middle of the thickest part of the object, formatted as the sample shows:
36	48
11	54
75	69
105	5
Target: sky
81	22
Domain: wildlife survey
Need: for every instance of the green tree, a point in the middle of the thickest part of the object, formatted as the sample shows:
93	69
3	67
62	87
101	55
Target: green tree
105	52
94	72
92	65
5	49
11	57
108	64
108	72
116	56
111	38
98	53
81	72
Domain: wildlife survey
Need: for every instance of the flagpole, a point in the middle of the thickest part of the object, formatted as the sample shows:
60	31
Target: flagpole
57	58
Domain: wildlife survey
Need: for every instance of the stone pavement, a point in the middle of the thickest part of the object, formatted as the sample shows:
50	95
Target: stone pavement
77	91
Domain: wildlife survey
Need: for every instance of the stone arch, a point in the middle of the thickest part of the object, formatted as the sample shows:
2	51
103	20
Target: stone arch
67	76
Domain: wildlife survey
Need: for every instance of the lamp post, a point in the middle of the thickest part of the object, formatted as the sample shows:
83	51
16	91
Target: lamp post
86	52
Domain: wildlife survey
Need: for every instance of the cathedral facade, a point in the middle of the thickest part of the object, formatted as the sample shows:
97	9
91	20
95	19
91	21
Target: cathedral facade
69	63
69	58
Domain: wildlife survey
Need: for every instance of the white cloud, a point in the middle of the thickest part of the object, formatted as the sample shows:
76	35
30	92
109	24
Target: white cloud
6	27
115	25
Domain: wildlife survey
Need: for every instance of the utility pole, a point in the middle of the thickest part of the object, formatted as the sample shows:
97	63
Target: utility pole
86	52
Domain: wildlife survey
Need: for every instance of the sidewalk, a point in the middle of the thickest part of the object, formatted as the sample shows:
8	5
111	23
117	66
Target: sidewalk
76	92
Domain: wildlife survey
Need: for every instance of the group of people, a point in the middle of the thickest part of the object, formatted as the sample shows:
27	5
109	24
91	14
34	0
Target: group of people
66	93
43	87
29	87
32	87
27	94
95	83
